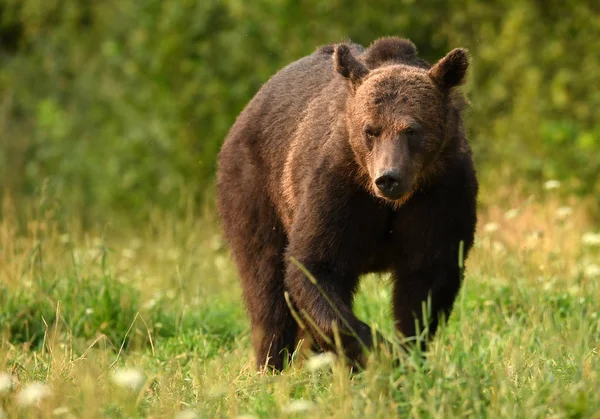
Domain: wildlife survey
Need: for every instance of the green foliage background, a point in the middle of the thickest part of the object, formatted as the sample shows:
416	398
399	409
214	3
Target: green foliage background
120	106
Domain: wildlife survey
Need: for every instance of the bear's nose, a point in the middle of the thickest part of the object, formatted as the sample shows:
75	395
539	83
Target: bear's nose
388	182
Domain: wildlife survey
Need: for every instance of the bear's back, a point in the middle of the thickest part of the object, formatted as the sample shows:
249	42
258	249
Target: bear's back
272	117
267	124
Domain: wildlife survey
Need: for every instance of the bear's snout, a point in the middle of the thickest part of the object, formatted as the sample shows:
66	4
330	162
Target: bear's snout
389	182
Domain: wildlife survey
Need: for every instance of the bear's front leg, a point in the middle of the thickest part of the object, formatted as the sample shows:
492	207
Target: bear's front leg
324	239
327	306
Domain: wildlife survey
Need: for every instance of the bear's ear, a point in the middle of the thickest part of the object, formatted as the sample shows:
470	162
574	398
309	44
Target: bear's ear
348	66
451	70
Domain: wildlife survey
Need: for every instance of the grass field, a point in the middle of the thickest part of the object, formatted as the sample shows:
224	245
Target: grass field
150	323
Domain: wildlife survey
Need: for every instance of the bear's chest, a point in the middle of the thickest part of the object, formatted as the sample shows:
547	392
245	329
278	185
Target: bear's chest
397	238
382	242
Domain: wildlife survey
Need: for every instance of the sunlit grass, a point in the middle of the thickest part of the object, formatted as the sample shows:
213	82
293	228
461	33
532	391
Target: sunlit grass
151	323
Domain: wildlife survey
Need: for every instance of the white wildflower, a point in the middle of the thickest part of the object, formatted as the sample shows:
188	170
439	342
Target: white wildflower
60	411
551	184
77	255
150	303
298	406
186	414
5	383
563	212
533	239
89	311
511	213
216	242
128	253
220	262
591	239
498	248
93	253
33	394
592	271
320	361
130	378
491	227
173	254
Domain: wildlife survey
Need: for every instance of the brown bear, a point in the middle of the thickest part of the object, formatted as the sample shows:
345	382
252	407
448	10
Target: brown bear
350	161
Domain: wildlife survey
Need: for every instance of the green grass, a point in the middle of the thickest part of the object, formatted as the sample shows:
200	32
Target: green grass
76	308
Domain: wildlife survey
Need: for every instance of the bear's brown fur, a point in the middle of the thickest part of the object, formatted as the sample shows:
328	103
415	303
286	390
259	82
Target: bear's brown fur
350	160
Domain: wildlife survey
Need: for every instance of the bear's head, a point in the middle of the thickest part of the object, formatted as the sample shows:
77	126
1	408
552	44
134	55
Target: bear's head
401	115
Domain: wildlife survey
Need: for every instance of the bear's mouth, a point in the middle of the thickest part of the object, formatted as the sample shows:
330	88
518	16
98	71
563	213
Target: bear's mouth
393	195
395	200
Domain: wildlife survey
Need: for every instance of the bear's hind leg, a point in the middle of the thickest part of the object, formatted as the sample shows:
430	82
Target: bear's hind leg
258	240
437	286
273	341
274	329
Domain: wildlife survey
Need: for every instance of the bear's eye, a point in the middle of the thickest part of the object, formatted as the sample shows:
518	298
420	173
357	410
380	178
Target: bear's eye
414	136
414	129
372	132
